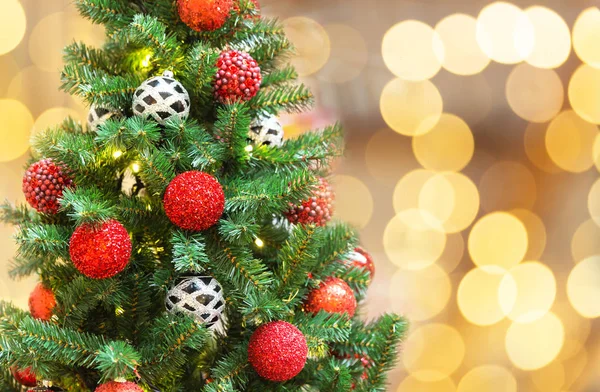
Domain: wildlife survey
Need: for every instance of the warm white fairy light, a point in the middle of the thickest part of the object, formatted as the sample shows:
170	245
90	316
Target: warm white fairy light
260	243
249	148
117	154
135	167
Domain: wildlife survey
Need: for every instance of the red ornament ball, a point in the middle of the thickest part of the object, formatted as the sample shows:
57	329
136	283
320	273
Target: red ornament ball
318	209
238	77
41	302
277	351
100	251
360	258
44	183
24	376
194	201
333	296
115	386
204	15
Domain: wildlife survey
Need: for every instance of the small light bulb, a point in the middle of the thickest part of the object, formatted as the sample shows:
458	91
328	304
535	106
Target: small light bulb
146	61
259	242
135	167
249	148
117	154
149	207
119	311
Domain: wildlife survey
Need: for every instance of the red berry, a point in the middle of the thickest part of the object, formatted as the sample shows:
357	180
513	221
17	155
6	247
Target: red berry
24	376
41	302
238	77
43	185
203	15
333	296
318	209
115	386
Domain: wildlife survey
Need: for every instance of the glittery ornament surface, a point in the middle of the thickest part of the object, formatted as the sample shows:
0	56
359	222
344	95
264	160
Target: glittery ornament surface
318	209
238	77
44	183
277	351
100	251
204	15
198	296
41	302
114	386
97	116
266	130
161	98
333	296
24	376
194	201
360	258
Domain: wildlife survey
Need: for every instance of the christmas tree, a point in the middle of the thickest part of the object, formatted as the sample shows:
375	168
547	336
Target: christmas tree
180	241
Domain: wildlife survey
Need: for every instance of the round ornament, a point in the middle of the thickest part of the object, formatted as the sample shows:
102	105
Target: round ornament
198	296
238	77
204	15
24	376
161	98
333	296
318	209
100	251
265	130
41	302
43	185
194	201
131	184
360	258
115	386
98	116
277	351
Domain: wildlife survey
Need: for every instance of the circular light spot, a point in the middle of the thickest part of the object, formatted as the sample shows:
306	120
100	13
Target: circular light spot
594	202
421	294
478	297
536	233
505	33
533	345
53	117
311	43
498	240
453	252
535	148
421	355
586	35
583	287
9	68
583	93
13	24
448	146
408	190
348	54
507	185
550	378
353	202
412	384
489	378
462	54
596	152
411	108
552	38
534	94
411	241
570	140
574	367
585	241
389	156
15	124
412	50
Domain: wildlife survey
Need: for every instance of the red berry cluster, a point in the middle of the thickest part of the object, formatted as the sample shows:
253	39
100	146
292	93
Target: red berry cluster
202	15
238	77
43	184
318	209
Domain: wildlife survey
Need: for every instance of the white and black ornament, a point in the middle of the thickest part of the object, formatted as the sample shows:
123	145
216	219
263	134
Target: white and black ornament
266	130
161	98
197	296
98	116
131	184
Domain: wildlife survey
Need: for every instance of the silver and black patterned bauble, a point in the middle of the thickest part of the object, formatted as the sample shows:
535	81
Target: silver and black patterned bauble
266	130
131	184
161	98
197	296
98	116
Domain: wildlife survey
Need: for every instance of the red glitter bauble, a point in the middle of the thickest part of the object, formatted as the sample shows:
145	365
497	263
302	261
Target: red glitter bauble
194	201
43	184
333	296
24	376
318	209
277	351
115	386
238	77
100	251
204	15
360	258
41	302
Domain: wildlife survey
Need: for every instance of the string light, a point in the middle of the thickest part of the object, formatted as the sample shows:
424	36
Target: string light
260	243
135	167
146	61
249	148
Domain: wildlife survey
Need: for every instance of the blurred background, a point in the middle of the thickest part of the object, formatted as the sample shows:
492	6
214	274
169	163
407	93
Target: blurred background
471	169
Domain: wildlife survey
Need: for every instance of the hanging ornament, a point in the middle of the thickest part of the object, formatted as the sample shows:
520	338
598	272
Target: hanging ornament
98	116
204	15
161	98
116	386
194	201
318	209
265	130
41	302
100	251
197	296
238	77
44	183
333	296
24	376
131	184
277	351
360	258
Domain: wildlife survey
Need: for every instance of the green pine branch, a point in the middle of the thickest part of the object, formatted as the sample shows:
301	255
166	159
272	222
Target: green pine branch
114	14
189	253
295	98
87	205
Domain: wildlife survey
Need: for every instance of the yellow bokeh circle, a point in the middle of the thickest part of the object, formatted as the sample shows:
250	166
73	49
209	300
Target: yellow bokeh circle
353	202
586	35
550	378
594	202
570	141
585	241
536	232
478	297
535	148
15	125
583	287
488	378
348	55
13	24
507	185
412	384
311	43
552	38
584	93
407	192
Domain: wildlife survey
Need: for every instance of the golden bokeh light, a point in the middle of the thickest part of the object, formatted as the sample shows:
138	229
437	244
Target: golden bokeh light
311	43
584	93
552	38
412	384
570	141
577	329
594	202
507	185
583	287
433	352
488	378
534	94
412	50
351	192
574	368
533	345
462	54
499	240
15	124
348	55
585	241
550	378
448	146
421	294
535	148
53	117
389	156
536	232
407	192
453	252
411	108
478	297
586	35
13	24
412	241
505	33
596	152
